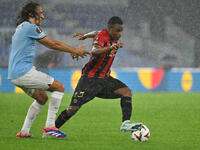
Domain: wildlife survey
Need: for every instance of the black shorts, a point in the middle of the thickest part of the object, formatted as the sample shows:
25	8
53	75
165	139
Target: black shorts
89	88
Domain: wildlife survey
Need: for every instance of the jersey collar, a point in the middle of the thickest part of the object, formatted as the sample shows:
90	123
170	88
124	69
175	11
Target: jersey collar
111	39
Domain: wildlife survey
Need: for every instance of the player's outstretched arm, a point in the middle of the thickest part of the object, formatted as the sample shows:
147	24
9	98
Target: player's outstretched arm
85	36
97	49
60	46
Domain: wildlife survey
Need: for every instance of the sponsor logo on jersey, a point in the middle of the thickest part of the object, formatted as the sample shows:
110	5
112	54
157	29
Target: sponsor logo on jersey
96	40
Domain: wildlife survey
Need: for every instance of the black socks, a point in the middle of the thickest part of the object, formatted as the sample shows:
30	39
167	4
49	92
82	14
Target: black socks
126	105
62	118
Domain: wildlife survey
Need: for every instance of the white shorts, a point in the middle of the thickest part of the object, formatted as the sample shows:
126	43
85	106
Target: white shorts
33	80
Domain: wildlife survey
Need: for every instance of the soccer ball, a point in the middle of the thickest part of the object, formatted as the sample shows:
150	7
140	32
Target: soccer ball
142	134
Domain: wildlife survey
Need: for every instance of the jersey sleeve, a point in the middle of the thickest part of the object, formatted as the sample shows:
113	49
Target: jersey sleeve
35	32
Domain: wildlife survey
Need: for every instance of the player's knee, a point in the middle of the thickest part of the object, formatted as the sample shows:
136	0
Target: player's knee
71	110
127	93
42	99
61	87
56	86
75	108
40	96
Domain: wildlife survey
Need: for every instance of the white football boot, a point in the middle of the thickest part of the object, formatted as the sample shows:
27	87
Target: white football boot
130	126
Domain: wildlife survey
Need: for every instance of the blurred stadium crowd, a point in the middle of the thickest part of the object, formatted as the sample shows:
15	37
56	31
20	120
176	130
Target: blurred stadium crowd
157	33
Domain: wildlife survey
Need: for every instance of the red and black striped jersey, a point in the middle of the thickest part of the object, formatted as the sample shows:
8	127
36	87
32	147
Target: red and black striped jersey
99	65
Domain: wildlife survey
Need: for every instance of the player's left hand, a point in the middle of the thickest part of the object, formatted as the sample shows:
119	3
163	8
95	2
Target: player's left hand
80	35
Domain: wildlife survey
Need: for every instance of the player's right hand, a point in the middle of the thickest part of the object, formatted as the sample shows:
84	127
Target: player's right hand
80	51
80	35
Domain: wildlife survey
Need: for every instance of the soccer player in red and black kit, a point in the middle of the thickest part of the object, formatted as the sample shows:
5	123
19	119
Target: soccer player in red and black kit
96	80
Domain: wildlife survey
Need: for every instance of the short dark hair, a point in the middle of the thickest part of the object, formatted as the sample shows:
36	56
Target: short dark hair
27	11
114	20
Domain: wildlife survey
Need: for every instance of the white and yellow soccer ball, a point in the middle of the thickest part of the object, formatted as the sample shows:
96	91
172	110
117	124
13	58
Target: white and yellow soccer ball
141	134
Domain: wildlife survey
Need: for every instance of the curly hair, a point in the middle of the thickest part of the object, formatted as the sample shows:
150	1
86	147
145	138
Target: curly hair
27	11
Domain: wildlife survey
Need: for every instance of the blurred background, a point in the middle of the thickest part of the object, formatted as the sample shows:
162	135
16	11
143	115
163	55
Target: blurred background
157	33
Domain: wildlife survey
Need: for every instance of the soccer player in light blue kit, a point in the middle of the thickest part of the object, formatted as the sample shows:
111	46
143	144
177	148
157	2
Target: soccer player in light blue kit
23	74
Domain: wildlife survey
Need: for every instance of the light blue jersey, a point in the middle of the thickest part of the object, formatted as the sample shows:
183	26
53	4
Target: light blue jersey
22	51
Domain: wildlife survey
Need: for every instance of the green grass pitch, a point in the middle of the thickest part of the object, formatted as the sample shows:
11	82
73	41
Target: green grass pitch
173	120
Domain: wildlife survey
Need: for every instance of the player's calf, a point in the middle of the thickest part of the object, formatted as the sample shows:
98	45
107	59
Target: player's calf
126	106
66	115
